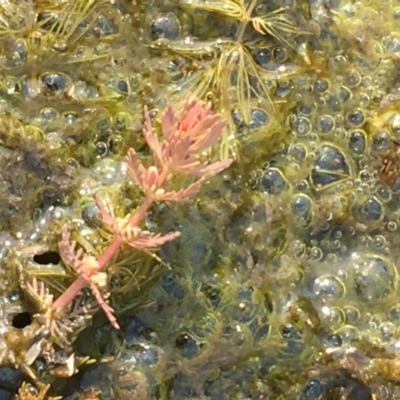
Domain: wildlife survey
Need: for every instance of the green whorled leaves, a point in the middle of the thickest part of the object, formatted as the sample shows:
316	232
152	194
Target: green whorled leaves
232	75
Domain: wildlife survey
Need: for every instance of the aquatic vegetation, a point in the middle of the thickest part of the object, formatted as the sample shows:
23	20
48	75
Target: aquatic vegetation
276	23
233	77
29	392
187	133
277	279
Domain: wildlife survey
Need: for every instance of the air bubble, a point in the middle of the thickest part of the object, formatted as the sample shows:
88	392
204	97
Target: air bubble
49	114
70	117
302	127
330	166
356	117
340	133
365	187
372	209
263	56
299	152
101	149
348	334
327	286
302	208
340	189
364	100
388	331
357	141
321	86
365	176
382	392
316	253
333	317
391	226
273	182
379	242
384	194
345	94
331	258
55	83
325	124
394	313
306	109
166	26
381	141
352	314
375	279
353	79
258	119
337	234
298	248
312	391
279	54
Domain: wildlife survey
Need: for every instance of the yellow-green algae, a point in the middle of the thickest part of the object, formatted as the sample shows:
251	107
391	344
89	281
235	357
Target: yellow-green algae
284	283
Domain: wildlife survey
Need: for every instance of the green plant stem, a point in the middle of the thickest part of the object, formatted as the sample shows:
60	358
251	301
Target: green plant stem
244	22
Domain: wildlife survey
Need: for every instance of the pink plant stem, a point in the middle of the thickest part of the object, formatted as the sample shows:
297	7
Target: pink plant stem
80	282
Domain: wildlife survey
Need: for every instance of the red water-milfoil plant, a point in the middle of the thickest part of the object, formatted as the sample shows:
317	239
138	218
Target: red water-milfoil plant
187	134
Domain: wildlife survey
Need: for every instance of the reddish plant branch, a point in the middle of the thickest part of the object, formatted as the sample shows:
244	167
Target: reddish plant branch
80	283
187	134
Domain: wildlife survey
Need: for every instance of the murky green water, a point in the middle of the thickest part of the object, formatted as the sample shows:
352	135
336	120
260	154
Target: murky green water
284	283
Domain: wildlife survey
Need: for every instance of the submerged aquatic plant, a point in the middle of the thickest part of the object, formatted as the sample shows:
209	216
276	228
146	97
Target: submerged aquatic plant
187	134
54	27
28	392
275	23
233	74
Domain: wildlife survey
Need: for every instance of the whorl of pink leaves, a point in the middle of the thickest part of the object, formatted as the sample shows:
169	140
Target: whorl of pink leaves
87	267
133	236
186	135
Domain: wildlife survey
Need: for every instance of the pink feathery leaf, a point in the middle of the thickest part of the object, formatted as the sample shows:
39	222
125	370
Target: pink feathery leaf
141	239
211	137
156	240
136	170
68	252
146	178
151	138
211	169
169	123
107	309
202	124
106	217
151	179
183	195
192	116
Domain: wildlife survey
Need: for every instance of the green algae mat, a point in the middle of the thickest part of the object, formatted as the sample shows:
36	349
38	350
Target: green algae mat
199	199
